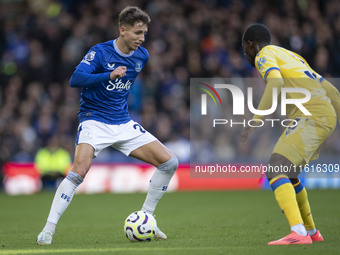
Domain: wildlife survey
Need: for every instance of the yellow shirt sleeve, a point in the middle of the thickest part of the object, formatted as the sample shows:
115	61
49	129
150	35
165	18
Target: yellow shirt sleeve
273	80
265	62
333	94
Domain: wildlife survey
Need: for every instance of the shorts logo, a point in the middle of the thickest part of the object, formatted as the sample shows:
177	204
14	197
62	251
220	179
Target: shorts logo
88	134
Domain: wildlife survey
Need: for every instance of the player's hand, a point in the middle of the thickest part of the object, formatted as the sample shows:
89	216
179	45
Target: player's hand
119	72
246	132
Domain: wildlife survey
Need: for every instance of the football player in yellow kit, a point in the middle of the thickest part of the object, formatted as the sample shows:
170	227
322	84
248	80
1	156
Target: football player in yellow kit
298	144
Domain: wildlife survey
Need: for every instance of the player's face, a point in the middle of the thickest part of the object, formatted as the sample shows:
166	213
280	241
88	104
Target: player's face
249	51
134	35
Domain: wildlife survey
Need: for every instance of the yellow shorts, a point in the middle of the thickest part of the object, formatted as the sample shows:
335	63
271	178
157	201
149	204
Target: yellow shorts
301	144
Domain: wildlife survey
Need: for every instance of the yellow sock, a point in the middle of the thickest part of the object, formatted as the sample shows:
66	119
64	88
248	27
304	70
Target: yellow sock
302	200
285	196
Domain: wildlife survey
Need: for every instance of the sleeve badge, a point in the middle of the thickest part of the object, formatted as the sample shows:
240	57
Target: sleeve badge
90	56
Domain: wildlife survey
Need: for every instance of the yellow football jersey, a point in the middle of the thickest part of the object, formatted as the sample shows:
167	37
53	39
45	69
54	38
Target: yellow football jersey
296	73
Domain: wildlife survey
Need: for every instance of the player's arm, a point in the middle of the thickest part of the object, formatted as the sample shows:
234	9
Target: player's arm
81	78
268	69
88	74
333	94
273	80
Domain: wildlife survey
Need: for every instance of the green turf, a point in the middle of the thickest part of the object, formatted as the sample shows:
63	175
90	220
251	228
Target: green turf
237	222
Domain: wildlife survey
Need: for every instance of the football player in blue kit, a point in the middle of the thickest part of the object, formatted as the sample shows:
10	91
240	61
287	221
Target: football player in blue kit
106	75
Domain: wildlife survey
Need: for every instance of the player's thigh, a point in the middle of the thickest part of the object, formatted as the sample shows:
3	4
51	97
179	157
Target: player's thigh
154	153
279	164
82	159
301	143
96	134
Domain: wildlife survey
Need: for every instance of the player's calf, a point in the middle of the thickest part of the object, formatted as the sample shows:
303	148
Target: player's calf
159	183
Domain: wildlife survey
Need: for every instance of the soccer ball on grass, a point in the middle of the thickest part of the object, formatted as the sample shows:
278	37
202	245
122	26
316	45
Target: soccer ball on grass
140	226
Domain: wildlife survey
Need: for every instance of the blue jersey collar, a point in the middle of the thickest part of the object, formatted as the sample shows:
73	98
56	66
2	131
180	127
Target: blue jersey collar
119	52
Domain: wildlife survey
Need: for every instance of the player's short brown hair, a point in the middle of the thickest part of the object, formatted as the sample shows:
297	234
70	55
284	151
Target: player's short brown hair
132	14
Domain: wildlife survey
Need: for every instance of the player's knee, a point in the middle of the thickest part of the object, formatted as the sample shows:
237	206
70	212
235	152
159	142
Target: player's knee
279	160
169	166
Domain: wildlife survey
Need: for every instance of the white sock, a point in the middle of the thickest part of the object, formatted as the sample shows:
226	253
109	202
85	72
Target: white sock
299	229
158	185
312	232
50	227
62	199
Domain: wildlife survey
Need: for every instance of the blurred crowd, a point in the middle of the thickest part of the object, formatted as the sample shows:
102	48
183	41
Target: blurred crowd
41	42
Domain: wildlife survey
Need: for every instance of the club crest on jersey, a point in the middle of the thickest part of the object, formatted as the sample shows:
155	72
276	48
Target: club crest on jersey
110	67
138	67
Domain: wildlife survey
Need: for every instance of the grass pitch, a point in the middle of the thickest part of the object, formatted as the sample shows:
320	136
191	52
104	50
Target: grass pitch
234	222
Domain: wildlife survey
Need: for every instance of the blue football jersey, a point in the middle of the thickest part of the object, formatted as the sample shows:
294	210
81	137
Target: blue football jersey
107	101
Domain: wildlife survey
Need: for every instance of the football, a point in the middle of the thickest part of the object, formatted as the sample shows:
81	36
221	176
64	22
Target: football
140	226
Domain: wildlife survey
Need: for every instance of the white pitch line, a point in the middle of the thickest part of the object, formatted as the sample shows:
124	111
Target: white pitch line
137	249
